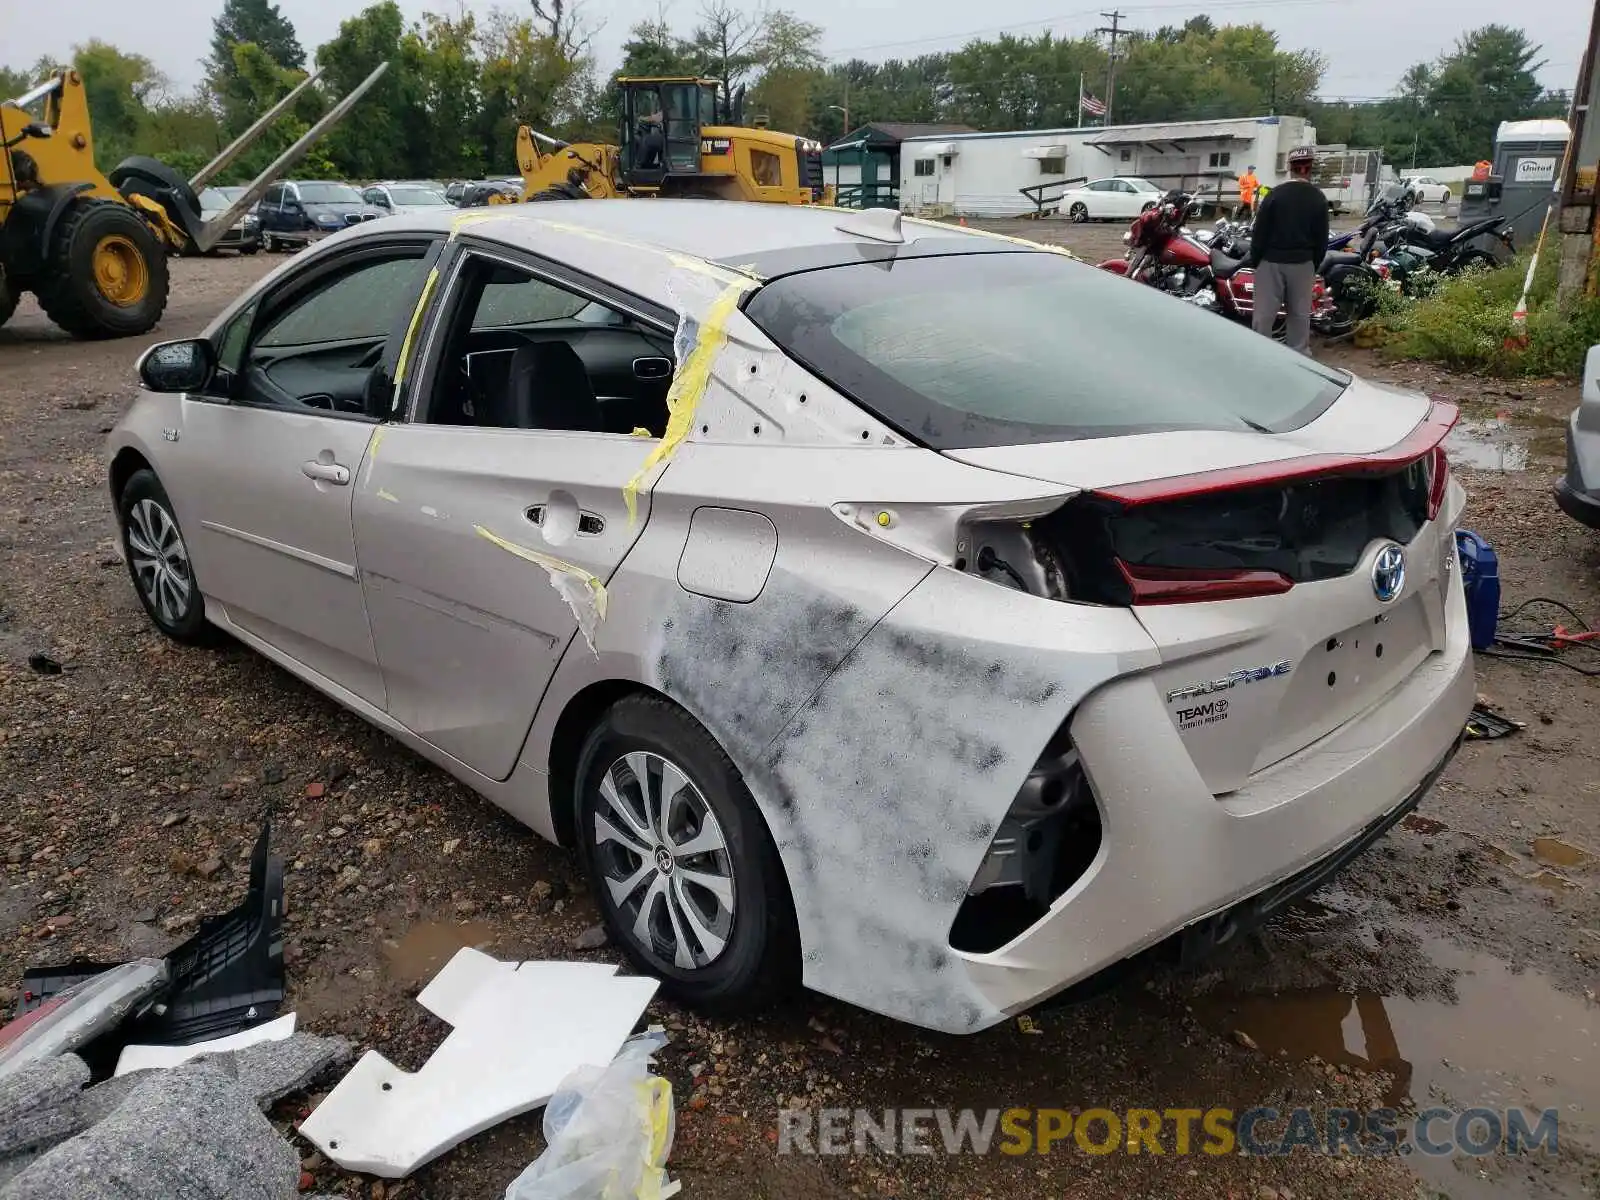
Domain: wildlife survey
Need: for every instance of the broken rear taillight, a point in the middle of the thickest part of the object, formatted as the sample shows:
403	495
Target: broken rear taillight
1190	585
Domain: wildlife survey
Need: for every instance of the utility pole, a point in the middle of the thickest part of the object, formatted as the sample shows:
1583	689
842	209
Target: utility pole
1115	30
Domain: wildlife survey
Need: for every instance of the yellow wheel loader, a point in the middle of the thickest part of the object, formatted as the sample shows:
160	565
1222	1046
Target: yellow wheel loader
680	137
92	247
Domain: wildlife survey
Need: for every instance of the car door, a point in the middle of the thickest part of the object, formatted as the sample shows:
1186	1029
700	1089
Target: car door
1124	198
490	519
378	198
268	210
1097	198
271	456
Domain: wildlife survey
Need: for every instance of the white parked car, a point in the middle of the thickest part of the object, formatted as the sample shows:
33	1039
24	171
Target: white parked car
406	197
1110	199
1424	189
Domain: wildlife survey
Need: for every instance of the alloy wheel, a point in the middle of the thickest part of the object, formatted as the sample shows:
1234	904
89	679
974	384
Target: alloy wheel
664	861
160	560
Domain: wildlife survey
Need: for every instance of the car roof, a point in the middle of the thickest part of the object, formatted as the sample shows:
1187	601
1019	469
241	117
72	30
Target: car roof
642	244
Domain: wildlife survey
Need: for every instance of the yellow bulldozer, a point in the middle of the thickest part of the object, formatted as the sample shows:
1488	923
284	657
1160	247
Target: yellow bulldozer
93	247
681	136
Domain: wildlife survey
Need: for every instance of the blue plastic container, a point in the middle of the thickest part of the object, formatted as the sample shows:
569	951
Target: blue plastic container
1480	579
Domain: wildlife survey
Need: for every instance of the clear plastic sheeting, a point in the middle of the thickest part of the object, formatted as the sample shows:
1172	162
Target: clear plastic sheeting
608	1132
77	1016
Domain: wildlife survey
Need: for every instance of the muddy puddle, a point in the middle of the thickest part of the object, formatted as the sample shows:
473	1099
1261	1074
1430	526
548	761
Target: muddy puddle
1494	444
1511	1039
417	955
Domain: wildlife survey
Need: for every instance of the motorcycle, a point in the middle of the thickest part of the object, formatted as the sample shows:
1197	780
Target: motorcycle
1202	270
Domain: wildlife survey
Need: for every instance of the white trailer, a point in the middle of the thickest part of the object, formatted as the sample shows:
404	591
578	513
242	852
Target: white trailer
1023	172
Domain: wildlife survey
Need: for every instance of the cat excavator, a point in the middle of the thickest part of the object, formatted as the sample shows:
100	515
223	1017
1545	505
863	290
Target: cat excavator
681	136
93	247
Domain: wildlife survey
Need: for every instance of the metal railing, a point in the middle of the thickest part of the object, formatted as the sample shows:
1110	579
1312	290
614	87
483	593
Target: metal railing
868	195
1036	193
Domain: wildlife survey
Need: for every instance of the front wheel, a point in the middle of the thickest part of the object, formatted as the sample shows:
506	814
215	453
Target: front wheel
680	862
1079	213
1147	207
1445	199
108	273
158	560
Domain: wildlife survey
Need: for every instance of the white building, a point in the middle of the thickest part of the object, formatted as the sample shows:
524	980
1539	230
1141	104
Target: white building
985	174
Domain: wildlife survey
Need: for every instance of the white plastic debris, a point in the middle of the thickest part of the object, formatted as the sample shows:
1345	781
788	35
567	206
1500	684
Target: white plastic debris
608	1132
145	1058
519	1030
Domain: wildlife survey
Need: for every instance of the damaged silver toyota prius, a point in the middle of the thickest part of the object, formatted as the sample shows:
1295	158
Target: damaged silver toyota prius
915	613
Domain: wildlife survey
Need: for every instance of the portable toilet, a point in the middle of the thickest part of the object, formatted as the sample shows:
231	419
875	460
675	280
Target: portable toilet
1522	177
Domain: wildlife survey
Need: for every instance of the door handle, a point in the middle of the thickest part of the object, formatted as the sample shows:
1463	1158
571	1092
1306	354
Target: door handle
652	367
326	472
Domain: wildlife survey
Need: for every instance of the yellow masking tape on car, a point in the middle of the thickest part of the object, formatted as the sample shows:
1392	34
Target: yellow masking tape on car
472	218
999	237
411	330
688	385
584	593
687	262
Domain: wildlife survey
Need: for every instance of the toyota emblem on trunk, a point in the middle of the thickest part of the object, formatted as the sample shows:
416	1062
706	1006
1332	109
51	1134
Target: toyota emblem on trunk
1389	572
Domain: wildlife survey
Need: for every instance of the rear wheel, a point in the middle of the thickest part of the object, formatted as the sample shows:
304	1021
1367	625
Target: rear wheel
1475	260
555	194
1079	212
108	273
681	864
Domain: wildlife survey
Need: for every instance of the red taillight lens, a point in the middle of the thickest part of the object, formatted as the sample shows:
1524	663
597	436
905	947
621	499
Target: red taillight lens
1438	480
1194	585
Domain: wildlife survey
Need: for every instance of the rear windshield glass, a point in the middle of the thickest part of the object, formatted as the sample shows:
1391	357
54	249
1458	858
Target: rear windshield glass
1007	349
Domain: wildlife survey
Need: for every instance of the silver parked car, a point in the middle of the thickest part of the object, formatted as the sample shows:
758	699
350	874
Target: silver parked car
1578	491
874	603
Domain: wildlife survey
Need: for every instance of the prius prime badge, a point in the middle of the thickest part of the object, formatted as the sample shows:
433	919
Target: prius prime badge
1389	572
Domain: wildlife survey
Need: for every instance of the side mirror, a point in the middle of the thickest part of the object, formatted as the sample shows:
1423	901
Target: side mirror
185	366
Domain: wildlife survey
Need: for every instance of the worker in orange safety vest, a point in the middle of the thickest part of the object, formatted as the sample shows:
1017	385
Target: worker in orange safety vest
1248	186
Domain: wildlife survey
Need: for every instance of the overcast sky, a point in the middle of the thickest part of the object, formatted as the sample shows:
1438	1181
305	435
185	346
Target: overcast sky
1368	43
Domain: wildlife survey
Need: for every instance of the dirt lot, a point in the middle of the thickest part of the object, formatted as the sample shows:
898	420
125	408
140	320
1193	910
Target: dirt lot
1454	964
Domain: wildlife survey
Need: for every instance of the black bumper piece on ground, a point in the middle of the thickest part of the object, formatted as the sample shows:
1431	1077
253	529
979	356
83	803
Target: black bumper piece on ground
1580	506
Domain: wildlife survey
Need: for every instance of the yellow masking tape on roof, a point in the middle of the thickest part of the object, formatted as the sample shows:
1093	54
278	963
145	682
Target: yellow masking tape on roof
472	218
411	330
687	262
999	237
688	385
584	593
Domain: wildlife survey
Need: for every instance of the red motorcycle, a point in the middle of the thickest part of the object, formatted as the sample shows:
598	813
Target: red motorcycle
1163	253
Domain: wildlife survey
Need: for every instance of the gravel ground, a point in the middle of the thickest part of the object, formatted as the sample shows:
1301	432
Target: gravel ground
1452	961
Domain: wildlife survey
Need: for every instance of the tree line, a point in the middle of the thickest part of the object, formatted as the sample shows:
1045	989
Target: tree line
458	86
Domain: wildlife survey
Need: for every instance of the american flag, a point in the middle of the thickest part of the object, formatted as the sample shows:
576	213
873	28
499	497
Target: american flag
1089	104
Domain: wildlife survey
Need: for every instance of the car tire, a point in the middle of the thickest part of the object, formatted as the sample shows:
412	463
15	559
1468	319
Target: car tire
158	560
1444	200
728	947
1079	213
248	250
1147	207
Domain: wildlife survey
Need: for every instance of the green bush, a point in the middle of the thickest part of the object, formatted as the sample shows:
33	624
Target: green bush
1465	323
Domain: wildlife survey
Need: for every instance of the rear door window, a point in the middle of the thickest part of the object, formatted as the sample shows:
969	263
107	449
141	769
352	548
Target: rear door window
1056	350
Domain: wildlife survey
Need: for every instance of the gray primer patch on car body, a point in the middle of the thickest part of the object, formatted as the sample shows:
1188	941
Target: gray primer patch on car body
883	756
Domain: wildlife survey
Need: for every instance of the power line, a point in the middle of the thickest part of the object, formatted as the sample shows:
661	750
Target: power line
1062	17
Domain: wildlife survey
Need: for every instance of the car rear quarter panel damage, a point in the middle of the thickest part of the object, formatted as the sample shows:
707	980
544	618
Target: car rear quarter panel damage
882	710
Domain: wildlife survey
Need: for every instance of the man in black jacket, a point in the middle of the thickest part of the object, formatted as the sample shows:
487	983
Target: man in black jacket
1287	244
